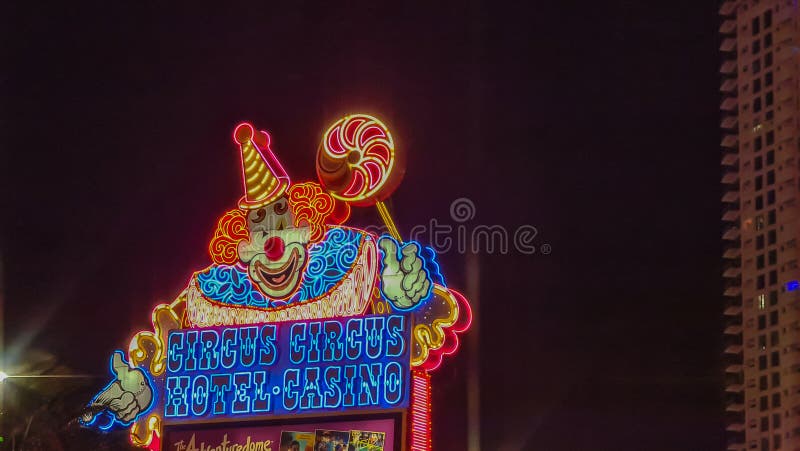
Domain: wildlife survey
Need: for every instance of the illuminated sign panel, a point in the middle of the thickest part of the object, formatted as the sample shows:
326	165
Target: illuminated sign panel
372	434
316	366
297	314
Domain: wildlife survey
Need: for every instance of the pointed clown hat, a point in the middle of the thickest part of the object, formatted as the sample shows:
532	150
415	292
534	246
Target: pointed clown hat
264	178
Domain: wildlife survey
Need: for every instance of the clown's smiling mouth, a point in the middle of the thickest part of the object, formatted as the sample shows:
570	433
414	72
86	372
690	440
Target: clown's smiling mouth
279	278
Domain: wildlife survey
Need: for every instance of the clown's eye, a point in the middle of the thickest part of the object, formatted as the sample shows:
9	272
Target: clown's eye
260	215
280	208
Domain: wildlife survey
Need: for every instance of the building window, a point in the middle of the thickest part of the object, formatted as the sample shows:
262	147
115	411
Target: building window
776	400
762	322
775	359
756	66
771	157
757	104
774	338
760	265
760	238
763	403
770	137
764	444
773	318
776	441
771	177
776	420
755	26
768	59
771	217
760	284
776	380
772	236
768	98
770	197
759	222
759	202
756	85
768	19
759	183
768	79
762	345
764	424
758	163
756	47
767	40
772	257
757	143
773	277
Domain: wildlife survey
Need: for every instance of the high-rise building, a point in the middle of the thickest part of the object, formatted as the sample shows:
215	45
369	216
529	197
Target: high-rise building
760	91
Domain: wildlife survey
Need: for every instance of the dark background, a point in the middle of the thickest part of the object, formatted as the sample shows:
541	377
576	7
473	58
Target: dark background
596	122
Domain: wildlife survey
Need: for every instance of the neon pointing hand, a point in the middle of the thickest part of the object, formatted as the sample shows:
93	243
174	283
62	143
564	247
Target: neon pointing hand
125	397
404	279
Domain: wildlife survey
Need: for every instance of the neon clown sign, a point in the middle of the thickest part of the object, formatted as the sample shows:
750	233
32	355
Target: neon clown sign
298	315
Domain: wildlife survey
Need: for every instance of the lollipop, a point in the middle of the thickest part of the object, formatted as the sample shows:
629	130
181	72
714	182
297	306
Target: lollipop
358	164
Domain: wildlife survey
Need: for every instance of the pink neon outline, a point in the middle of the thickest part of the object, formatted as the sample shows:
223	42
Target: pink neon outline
451	342
420	414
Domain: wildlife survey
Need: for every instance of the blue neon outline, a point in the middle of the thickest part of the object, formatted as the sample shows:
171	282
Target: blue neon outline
349	339
333	342
398	376
313	355
220	394
204	351
368	385
94	422
240	393
374	334
270	343
191	353
173	353
310	404
185	395
225	350
399	255
395	335
287	393
261	389
349	385
248	342
382	368
193	391
333	385
294	346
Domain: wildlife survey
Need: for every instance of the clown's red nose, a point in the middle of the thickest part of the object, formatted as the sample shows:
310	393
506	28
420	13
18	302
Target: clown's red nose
274	248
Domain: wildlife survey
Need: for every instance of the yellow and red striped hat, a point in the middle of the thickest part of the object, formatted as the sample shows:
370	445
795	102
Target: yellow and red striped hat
263	177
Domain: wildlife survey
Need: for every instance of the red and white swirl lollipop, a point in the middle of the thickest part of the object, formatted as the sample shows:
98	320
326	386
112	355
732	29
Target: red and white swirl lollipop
357	163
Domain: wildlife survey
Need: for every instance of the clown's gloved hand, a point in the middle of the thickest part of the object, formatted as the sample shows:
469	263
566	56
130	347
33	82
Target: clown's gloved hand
404	278
128	395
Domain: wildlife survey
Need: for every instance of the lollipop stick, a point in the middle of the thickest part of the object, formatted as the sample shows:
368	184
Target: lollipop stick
387	219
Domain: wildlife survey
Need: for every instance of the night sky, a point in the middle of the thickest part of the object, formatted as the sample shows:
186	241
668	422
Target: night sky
597	124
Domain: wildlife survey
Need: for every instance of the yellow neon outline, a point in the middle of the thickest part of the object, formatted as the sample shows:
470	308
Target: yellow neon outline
432	337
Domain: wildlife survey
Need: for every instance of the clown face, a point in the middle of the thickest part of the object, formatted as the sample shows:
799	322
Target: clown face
276	251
